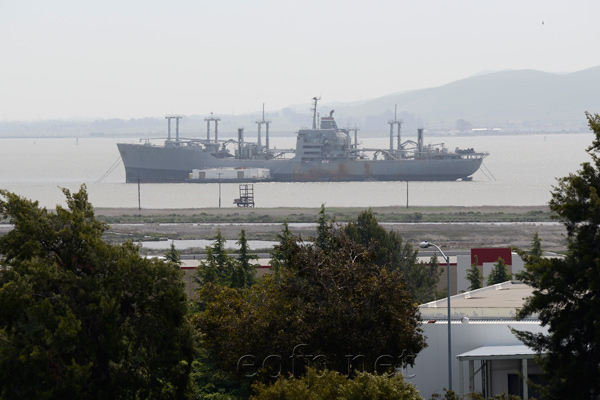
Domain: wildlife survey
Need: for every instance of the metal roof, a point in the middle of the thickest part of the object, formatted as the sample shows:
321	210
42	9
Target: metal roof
499	301
498	353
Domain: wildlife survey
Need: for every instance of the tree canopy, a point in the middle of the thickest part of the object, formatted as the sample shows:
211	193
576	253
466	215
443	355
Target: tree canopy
222	268
566	295
332	305
316	385
392	252
83	319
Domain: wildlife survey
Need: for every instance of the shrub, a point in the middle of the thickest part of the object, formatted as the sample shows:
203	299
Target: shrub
332	385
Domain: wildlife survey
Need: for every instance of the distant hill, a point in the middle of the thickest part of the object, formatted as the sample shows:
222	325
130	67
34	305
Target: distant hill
514	101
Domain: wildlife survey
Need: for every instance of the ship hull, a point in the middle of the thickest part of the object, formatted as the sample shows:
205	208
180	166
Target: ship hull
148	163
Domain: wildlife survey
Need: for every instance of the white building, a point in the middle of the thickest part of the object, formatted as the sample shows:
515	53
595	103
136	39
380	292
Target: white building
486	356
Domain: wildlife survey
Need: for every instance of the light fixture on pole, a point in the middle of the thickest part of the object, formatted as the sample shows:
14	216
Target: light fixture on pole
425	245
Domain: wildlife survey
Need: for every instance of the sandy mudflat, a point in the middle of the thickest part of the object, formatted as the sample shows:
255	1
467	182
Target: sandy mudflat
203	224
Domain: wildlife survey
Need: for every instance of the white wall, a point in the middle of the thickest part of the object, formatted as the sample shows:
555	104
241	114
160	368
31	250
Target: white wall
431	364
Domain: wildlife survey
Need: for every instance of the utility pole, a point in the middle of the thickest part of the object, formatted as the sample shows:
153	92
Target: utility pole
139	199
219	173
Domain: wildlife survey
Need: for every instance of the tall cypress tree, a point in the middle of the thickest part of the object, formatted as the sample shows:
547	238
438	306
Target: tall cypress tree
218	267
245	264
474	276
499	273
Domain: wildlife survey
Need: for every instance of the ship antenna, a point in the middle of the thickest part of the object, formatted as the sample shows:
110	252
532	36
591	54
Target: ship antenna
314	110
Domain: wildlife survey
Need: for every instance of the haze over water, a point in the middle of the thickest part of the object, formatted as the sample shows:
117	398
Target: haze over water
524	167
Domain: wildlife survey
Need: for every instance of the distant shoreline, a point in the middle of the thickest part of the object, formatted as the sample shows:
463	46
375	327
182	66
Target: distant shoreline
231	135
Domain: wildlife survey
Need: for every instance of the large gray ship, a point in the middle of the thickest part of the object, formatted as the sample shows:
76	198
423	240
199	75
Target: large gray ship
323	153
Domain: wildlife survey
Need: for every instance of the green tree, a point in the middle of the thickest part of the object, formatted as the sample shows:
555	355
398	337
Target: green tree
282	254
536	246
80	318
210	383
219	266
499	273
317	385
391	252
333	303
422	280
532	256
245	266
566	289
324	227
474	276
173	255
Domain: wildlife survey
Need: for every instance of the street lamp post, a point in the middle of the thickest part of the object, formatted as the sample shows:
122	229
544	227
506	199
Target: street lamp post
425	245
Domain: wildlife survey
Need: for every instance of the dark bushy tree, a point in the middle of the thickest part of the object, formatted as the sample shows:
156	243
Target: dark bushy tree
566	295
393	253
80	318
333	385
333	303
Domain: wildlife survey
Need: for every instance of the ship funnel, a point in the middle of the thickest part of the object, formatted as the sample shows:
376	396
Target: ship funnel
240	137
420	141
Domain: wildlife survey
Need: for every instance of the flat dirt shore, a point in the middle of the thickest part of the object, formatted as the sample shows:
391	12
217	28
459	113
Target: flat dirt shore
453	228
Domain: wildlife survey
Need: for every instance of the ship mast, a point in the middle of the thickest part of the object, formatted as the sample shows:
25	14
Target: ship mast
393	122
208	121
314	110
260	123
176	118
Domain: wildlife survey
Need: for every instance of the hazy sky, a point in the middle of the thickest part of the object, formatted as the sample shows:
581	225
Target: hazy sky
132	59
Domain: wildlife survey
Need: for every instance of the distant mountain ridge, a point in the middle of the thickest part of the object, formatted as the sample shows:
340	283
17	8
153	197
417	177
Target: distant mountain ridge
513	100
519	100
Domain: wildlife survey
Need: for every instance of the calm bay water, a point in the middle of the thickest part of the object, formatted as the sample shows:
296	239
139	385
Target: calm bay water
520	170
